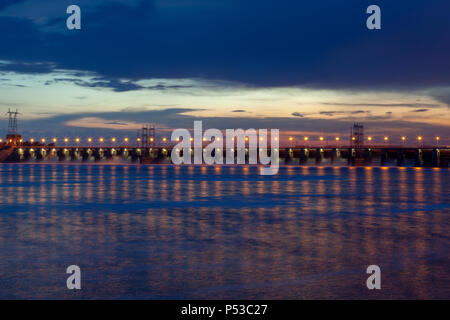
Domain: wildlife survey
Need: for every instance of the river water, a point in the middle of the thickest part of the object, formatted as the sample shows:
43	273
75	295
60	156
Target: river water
166	232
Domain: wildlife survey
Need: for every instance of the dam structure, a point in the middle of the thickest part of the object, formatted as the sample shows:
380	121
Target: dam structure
424	156
147	149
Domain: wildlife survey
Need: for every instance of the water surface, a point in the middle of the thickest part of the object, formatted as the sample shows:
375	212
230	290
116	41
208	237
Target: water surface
158	232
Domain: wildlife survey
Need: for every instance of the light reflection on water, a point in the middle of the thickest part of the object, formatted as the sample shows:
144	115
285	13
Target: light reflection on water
223	232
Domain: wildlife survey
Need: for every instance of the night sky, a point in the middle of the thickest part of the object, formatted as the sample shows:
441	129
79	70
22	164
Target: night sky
305	67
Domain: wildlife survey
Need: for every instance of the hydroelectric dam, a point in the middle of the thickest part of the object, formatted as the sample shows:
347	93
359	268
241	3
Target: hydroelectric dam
297	155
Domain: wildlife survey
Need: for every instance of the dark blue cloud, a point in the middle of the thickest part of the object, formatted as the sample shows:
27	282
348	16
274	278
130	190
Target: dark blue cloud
7	3
114	84
28	67
261	43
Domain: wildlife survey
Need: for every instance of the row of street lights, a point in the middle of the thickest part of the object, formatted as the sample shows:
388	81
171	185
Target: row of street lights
370	138
102	140
164	139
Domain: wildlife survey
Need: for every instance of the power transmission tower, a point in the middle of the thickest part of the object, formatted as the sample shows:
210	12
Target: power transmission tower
12	121
151	135
144	136
147	135
357	135
13	137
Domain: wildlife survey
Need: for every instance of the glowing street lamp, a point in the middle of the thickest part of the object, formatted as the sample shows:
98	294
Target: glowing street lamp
419	140
77	140
66	140
322	141
403	140
337	140
306	140
101	139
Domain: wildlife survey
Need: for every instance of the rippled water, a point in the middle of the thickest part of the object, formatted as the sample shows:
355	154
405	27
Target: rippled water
223	232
